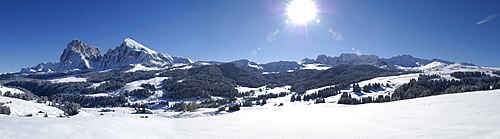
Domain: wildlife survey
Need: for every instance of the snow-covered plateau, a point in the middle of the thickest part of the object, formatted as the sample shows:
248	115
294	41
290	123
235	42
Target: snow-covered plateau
464	115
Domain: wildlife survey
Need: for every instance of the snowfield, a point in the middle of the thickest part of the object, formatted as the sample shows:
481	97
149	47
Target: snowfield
4	89
465	115
21	108
68	80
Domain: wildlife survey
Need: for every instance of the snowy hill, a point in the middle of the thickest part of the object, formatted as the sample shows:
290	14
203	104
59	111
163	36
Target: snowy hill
465	115
22	108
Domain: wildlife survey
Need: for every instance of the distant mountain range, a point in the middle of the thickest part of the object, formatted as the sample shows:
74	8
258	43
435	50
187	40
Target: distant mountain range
79	56
132	75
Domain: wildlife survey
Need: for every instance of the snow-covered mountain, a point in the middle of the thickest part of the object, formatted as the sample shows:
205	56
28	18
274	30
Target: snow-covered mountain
80	56
268	67
132	52
77	55
350	59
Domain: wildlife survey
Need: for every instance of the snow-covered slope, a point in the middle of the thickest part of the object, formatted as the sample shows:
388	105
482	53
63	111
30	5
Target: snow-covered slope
465	115
443	69
4	89
22	108
68	80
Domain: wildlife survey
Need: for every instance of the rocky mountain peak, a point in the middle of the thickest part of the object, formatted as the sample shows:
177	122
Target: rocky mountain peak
348	58
406	61
132	52
79	55
130	43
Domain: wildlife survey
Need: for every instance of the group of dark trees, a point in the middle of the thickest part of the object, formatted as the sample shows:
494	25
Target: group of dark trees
185	107
90	101
341	75
423	87
468	74
47	88
346	98
213	103
429	85
211	80
27	95
272	95
69	108
5	110
205	81
328	92
366	88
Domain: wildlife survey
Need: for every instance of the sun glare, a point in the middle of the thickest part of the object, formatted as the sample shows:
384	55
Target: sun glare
301	11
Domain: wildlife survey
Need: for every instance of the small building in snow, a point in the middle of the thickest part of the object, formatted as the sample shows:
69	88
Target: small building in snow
233	107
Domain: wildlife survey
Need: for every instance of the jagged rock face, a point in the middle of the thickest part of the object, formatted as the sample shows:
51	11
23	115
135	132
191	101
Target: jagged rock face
181	60
406	61
131	52
351	59
281	66
79	55
248	65
309	61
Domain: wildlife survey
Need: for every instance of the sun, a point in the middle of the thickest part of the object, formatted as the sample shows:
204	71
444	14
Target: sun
301	11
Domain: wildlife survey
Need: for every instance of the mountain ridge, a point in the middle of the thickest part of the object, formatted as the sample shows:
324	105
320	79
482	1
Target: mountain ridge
79	56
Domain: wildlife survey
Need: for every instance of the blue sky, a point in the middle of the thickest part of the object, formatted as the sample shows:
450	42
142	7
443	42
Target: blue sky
225	30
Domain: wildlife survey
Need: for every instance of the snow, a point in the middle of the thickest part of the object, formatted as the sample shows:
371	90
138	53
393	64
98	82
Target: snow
133	44
316	66
99	95
68	80
95	85
465	115
311	91
255	66
4	89
263	90
21	108
140	67
436	67
157	81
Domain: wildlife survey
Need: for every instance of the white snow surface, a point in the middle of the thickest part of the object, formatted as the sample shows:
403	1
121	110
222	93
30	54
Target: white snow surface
68	80
442	69
4	89
140	67
316	66
263	90
139	47
156	81
95	85
465	115
21	108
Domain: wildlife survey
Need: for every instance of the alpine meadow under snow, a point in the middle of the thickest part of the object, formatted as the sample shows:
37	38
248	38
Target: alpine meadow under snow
465	115
135	92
